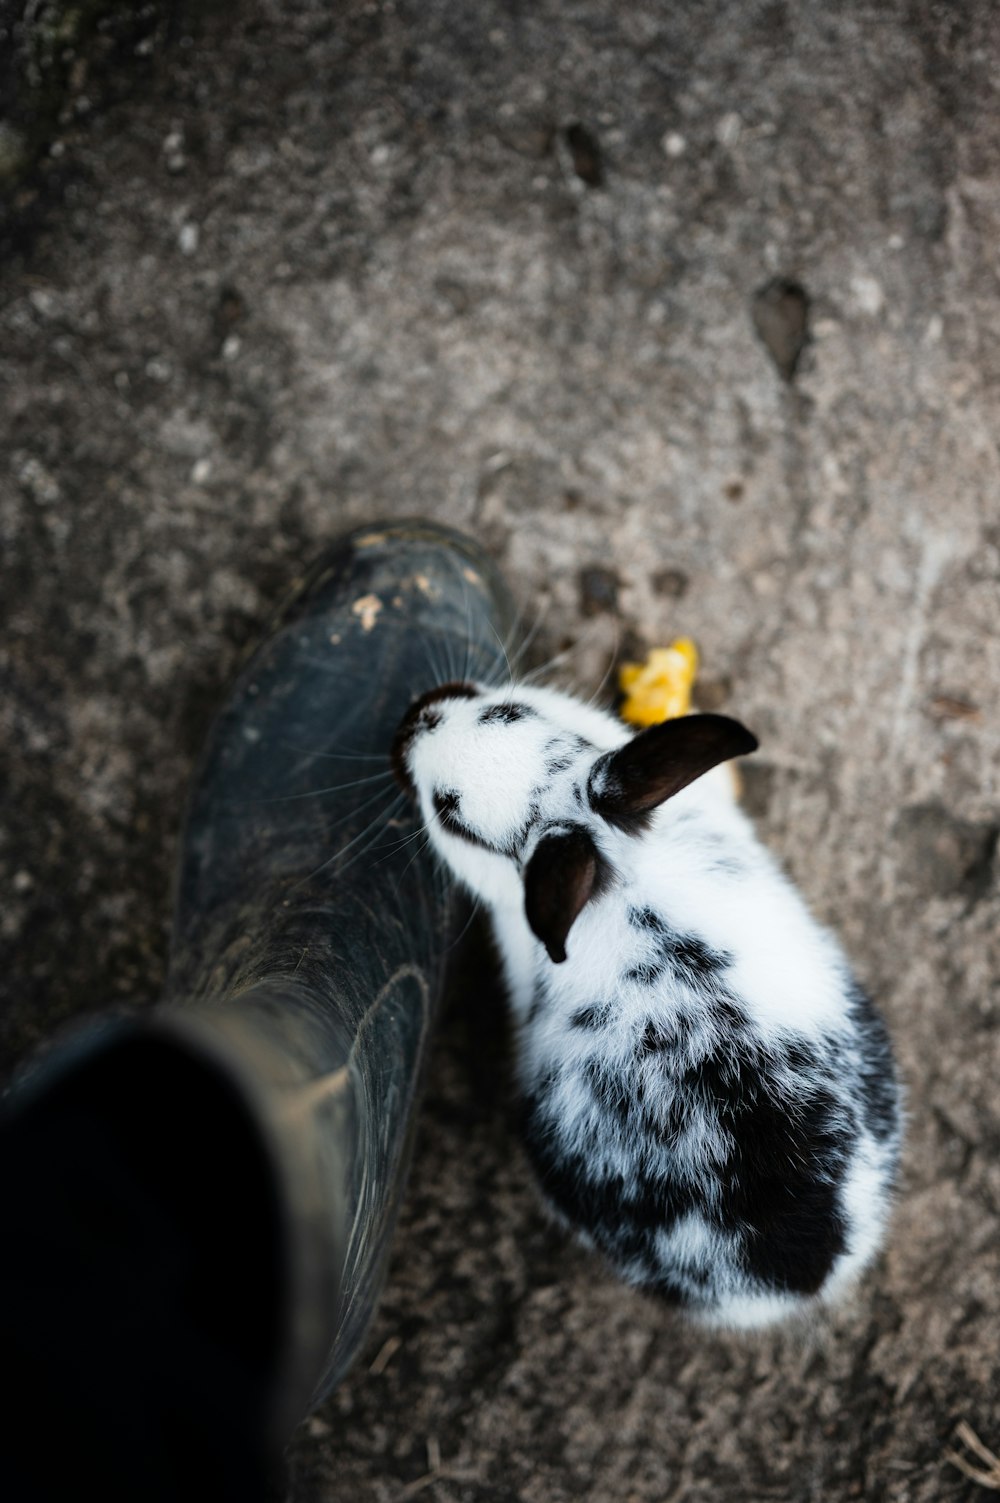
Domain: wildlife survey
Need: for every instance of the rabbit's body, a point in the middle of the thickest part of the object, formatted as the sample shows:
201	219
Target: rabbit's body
709	1097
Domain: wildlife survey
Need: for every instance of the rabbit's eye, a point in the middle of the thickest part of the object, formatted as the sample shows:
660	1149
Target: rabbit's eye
447	808
446	805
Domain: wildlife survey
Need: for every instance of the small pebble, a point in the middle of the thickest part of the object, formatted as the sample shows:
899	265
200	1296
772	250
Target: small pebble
598	591
712	693
729	129
942	854
586	155
867	294
781	318
671	583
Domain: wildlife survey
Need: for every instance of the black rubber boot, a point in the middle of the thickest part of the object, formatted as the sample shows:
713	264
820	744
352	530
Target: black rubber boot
197	1203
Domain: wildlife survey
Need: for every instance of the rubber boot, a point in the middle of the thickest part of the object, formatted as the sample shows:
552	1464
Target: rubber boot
198	1202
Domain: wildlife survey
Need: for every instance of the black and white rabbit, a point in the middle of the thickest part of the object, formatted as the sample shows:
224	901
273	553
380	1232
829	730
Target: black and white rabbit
709	1097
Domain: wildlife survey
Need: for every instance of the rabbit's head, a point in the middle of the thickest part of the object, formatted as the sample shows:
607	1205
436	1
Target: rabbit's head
520	790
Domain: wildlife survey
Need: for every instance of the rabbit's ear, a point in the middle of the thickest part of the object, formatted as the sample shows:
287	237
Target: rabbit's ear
563	874
627	784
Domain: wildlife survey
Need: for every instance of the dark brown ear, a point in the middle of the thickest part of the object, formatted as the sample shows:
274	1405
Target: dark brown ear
561	877
625	785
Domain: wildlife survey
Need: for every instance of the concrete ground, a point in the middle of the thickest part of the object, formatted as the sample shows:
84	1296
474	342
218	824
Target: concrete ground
705	296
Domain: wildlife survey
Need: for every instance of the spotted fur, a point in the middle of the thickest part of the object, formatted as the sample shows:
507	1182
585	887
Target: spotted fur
709	1098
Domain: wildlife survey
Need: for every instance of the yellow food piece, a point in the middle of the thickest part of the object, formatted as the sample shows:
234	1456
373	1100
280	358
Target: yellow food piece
660	688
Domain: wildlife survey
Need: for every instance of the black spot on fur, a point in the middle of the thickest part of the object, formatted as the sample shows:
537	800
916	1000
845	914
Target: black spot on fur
879	1088
802	1057
664	1119
561	753
506	714
593	1017
688	954
715	1079
646	972
780	1182
684	956
670	1292
646	918
559	764
539	1001
654	1041
610	1088
654	1202
621	1214
730	1020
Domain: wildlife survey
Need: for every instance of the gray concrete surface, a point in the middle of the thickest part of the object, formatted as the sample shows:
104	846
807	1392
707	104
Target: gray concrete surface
320	263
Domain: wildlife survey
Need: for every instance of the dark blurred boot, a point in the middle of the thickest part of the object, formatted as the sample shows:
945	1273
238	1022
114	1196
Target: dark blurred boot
198	1203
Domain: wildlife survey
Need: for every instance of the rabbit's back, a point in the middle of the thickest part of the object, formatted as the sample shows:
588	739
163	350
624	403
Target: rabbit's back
713	1151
